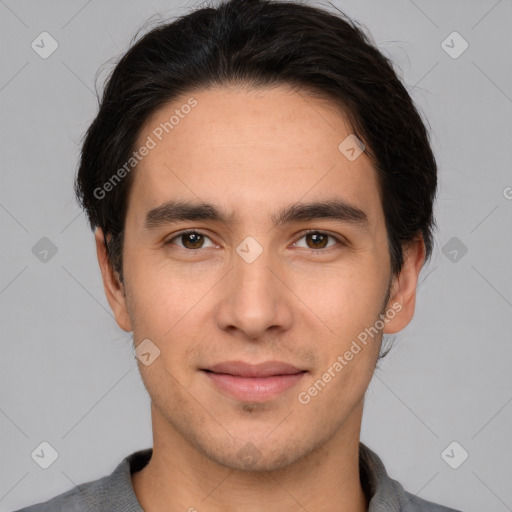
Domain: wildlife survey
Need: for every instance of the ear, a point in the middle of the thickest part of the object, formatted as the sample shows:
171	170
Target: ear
114	289
403	290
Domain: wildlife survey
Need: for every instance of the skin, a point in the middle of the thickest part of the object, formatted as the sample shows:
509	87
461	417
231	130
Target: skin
252	152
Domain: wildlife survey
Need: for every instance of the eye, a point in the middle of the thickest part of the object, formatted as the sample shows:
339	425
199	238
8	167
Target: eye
318	240
193	240
190	240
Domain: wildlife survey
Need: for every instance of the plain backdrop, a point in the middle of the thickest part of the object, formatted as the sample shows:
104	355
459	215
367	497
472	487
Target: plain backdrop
68	376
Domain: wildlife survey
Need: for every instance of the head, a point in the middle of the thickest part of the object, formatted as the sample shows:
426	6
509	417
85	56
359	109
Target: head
239	124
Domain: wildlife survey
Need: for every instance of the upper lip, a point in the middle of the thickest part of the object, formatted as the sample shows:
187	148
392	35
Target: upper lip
265	369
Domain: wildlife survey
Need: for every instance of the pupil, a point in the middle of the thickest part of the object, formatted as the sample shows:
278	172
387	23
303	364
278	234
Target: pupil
316	237
194	237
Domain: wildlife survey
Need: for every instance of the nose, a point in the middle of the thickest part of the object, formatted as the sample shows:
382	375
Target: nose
255	298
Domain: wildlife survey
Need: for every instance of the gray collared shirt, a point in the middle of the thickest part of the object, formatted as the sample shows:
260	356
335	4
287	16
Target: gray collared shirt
114	493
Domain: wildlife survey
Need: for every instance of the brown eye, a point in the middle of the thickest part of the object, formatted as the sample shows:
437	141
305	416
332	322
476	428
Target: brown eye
189	240
317	240
192	240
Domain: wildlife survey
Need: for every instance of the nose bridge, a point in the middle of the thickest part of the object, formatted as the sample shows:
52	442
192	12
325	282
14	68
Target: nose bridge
254	299
252	277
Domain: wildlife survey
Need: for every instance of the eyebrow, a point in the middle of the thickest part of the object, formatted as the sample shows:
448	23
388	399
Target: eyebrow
335	209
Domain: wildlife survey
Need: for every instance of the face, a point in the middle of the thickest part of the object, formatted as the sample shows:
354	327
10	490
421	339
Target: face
262	279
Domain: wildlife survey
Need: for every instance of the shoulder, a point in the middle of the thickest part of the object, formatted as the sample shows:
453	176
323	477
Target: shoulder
386	493
84	497
413	503
113	492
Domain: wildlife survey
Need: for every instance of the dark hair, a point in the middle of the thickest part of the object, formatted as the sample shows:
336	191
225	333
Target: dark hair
258	43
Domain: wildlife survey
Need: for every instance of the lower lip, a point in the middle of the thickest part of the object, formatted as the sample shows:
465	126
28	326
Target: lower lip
254	389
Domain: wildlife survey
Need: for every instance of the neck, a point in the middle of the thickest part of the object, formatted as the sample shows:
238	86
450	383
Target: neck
180	477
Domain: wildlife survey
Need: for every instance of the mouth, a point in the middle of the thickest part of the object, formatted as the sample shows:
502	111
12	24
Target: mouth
253	383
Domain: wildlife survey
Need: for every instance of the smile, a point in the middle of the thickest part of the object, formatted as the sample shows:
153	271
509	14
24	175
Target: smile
253	389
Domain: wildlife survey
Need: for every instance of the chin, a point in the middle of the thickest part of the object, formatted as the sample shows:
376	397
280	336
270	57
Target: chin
267	455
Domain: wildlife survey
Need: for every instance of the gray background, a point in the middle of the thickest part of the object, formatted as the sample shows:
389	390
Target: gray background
68	375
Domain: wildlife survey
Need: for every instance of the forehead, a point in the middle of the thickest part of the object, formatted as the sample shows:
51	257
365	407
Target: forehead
248	149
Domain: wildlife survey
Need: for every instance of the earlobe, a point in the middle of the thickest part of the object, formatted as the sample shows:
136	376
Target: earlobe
403	295
114	289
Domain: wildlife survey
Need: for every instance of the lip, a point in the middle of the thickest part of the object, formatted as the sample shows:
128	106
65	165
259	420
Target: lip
254	383
265	369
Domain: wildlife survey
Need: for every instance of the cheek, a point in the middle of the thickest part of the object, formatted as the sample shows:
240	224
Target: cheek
343	313
331	394
345	299
161	299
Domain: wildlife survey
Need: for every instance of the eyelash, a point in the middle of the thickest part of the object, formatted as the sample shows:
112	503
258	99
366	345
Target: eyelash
305	233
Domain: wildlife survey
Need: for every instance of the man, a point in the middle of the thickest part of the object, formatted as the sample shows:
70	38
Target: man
261	188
